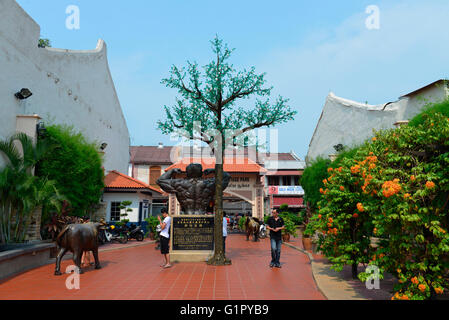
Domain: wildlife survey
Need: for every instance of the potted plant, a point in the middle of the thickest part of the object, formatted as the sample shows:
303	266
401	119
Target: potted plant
290	230
152	224
307	239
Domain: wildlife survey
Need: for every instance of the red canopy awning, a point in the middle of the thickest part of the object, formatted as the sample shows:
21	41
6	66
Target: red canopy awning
291	201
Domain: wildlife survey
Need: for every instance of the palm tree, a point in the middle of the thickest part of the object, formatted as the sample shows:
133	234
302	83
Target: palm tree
20	191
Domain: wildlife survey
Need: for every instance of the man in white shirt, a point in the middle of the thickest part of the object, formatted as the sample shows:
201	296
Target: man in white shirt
165	237
225	231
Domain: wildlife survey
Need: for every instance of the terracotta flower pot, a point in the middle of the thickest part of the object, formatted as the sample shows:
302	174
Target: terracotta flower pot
286	237
307	243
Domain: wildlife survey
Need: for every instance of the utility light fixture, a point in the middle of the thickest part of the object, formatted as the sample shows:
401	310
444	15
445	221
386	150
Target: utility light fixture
103	146
23	94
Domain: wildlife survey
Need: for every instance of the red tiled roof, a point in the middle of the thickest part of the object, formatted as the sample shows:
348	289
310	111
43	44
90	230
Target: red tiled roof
230	164
291	201
118	180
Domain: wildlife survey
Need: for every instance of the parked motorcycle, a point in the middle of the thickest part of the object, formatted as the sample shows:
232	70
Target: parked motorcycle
113	233
135	232
263	231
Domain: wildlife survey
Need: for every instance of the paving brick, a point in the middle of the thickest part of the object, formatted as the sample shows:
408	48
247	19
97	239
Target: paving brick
134	274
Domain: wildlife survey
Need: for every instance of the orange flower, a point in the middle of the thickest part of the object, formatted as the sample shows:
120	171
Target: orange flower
407	195
430	185
412	178
329	225
320	216
355	169
360	207
321	191
422	287
391	188
415	280
442	230
355	215
330	170
439	291
331	220
374	139
325	181
342	188
375	231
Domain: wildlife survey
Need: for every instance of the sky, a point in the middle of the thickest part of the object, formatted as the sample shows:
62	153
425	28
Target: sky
306	48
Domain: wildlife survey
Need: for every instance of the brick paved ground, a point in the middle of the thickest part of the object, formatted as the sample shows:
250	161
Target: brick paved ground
134	274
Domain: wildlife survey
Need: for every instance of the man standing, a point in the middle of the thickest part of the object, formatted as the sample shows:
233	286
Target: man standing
165	237
275	224
225	231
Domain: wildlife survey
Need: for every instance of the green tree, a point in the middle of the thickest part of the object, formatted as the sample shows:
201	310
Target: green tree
76	167
44	43
210	100
20	191
312	180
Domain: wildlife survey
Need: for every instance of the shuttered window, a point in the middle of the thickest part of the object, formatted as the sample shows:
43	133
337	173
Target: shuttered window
155	173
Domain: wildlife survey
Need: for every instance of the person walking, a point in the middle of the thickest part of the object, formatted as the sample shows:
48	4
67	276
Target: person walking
275	224
165	237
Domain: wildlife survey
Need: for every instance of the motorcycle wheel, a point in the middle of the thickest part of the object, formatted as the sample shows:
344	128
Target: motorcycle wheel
139	237
263	235
124	239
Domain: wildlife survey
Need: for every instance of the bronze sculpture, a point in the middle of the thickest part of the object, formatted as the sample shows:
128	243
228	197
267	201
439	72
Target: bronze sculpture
193	193
78	238
252	226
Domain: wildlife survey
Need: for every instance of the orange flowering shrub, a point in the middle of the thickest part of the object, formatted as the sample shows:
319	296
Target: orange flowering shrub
395	187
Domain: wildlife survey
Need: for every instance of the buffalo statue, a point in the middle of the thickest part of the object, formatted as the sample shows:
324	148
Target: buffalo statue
78	238
252	226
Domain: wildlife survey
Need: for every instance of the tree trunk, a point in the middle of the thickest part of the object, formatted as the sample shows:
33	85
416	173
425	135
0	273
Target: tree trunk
218	259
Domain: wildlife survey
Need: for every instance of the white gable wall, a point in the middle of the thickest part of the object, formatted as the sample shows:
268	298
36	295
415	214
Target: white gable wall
69	87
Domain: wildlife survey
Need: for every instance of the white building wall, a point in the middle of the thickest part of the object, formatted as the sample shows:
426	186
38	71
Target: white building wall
69	87
135	198
350	123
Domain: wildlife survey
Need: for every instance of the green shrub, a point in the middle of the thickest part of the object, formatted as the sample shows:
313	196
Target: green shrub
76	167
294	217
290	227
152	225
429	110
312	180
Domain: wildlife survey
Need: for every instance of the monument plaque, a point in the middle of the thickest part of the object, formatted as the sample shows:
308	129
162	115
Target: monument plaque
193	233
192	238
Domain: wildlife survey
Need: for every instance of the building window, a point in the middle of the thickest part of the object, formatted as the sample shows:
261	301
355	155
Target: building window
296	181
273	181
157	206
286	181
115	211
155	173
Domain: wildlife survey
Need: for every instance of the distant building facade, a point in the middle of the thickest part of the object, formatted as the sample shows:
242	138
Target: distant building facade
68	87
119	188
282	181
259	181
349	123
